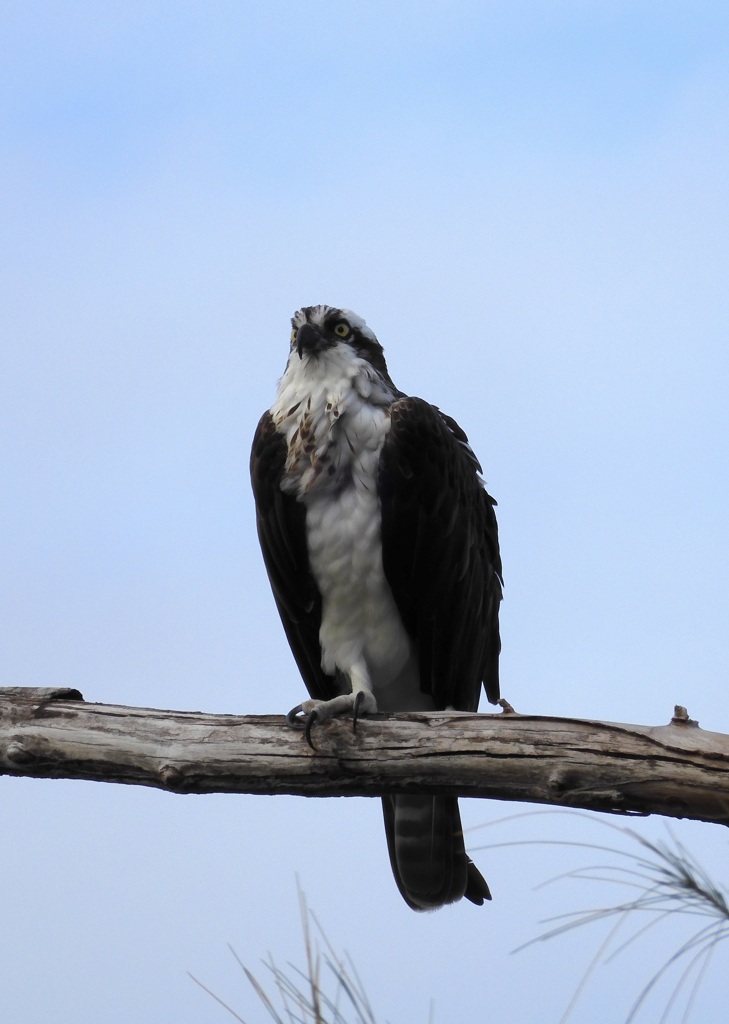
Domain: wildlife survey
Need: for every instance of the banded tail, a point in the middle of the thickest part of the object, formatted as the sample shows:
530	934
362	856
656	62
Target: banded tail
427	852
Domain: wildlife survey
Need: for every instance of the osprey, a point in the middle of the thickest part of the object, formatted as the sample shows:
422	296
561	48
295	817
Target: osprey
381	545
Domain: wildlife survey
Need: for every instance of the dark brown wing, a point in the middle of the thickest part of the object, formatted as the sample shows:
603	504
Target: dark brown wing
440	552
281	524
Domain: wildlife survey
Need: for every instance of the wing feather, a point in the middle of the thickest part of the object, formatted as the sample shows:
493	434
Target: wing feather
440	553
281	525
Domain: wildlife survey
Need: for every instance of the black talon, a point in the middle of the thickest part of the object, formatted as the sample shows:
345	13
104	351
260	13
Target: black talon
358	699
313	717
293	716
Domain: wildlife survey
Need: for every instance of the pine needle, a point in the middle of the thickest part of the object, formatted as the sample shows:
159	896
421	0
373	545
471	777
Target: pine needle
662	880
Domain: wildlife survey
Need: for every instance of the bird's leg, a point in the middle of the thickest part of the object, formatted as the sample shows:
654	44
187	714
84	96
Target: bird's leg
361	701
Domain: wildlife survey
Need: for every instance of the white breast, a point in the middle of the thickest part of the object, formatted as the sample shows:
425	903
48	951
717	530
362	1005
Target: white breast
344	419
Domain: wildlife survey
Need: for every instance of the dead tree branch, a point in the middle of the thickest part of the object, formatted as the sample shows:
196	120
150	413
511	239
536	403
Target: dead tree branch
678	770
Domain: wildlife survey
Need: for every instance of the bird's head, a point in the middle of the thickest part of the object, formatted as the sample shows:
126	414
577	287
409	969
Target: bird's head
316	330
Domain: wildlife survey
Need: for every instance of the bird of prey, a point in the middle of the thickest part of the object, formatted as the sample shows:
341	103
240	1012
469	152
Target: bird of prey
381	545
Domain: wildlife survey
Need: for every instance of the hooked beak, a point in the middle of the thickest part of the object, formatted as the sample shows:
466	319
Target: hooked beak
310	339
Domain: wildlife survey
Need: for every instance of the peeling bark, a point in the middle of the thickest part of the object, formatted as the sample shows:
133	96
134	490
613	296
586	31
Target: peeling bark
678	769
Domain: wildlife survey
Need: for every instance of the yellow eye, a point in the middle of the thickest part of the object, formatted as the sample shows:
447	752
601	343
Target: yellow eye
342	329
294	332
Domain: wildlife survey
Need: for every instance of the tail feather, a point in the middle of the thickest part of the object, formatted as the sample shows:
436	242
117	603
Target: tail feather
477	888
427	853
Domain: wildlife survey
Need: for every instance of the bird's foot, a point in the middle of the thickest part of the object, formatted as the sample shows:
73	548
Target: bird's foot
311	712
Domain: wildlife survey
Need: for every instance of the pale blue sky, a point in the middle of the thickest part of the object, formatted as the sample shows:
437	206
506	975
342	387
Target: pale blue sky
530	205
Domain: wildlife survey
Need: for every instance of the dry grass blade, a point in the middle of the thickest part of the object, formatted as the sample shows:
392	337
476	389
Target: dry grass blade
304	997
217	998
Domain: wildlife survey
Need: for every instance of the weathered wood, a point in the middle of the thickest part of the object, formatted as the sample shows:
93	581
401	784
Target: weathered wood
677	769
